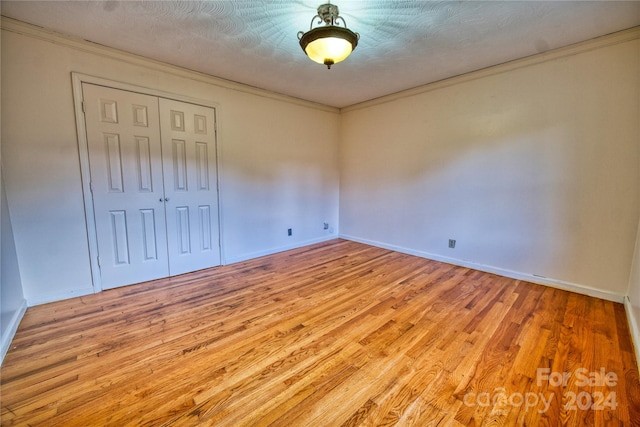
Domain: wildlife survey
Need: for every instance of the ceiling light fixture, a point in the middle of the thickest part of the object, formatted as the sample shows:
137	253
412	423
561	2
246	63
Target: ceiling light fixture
330	44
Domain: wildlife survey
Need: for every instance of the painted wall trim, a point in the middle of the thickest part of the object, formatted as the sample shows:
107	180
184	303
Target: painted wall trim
59	296
12	328
44	299
23	28
50	36
546	281
562	52
633	328
252	255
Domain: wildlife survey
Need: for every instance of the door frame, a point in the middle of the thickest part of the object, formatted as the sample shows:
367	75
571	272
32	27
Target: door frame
77	79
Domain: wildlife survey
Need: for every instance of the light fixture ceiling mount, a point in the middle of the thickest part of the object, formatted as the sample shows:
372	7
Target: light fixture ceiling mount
331	43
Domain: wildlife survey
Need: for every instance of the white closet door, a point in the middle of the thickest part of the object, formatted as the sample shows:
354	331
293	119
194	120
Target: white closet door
123	134
190	182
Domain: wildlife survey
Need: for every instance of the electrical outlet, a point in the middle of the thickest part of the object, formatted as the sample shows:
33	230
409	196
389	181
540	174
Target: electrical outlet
452	243
289	231
326	225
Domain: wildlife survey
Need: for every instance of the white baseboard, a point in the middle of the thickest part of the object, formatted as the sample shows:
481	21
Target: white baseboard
12	327
44	299
248	256
634	328
554	283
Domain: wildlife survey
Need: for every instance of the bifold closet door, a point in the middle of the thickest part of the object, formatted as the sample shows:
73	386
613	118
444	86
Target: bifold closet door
154	185
190	185
123	134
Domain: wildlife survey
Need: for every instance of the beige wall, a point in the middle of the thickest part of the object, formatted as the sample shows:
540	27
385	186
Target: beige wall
278	158
12	301
533	169
633	302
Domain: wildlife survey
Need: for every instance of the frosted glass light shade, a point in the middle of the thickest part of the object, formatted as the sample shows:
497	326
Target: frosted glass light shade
328	45
330	49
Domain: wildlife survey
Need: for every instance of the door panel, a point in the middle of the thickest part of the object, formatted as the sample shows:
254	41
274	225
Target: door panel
190	177
123	134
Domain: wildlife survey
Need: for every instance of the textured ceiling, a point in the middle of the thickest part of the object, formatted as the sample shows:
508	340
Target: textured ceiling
403	44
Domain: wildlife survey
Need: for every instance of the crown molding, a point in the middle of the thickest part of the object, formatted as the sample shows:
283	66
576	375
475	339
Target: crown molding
50	36
562	52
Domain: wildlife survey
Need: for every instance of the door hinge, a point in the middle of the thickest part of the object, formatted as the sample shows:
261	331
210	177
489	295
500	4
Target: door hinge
98	259
91	186
83	109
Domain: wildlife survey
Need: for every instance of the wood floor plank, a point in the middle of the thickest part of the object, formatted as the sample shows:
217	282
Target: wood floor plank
337	333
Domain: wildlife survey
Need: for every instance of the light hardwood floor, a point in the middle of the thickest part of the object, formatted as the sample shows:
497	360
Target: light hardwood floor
333	334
